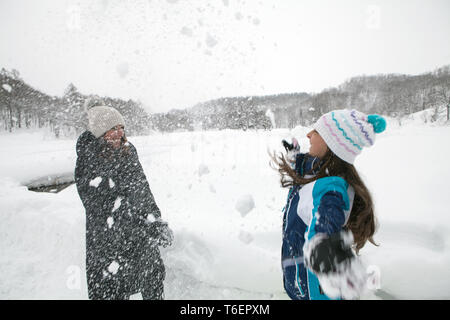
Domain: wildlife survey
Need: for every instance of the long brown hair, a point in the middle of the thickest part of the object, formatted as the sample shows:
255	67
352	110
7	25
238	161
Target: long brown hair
362	222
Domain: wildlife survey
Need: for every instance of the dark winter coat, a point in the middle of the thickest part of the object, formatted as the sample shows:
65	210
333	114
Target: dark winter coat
122	255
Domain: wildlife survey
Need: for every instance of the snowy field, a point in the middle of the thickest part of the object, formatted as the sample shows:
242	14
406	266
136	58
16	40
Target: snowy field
224	203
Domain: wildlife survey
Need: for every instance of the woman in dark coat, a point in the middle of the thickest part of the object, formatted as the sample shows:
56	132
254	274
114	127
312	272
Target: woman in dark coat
123	222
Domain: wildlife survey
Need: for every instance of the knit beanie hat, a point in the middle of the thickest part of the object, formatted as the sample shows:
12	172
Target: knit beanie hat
101	118
347	132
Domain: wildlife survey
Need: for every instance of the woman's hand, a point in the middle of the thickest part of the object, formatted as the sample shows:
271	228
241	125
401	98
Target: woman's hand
162	233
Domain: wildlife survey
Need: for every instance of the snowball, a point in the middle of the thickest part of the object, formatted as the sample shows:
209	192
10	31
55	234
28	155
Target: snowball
113	267
122	69
245	237
202	170
111	183
373	277
110	222
136	296
95	182
151	218
186	32
245	204
212	189
271	117
117	204
348	283
210	41
7	87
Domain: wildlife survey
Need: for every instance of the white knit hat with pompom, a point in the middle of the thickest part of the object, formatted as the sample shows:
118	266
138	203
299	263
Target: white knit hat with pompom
347	132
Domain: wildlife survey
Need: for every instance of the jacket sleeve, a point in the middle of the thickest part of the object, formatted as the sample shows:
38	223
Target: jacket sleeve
330	217
331	200
327	222
146	213
328	250
139	191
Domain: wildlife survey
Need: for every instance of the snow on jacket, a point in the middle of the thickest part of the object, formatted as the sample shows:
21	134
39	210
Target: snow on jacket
122	255
321	206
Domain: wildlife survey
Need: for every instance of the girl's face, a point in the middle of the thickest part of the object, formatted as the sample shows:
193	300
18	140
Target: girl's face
114	136
318	147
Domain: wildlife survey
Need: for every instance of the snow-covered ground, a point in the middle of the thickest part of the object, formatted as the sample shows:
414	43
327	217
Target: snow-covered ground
223	201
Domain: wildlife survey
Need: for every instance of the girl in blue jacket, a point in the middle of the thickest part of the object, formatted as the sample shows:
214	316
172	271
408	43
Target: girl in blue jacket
329	212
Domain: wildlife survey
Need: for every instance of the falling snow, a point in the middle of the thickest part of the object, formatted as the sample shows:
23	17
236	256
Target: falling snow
95	182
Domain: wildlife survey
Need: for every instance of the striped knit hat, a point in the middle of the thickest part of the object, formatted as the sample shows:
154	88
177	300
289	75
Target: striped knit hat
346	132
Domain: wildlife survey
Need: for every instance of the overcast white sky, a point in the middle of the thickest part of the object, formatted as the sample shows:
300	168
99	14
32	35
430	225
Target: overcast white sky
175	53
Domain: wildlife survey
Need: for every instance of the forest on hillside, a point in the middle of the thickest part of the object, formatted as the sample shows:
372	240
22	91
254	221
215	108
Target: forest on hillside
395	95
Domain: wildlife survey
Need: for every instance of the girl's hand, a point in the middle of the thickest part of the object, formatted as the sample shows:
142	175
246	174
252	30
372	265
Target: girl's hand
291	146
340	273
329	253
164	233
292	149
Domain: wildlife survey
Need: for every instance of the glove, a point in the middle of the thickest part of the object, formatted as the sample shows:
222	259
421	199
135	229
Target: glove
162	233
292	149
291	146
330	253
338	270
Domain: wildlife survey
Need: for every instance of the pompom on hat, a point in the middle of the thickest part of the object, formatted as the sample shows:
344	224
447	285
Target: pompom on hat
101	117
347	132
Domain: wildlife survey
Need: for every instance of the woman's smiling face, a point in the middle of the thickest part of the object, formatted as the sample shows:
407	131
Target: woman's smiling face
318	147
114	136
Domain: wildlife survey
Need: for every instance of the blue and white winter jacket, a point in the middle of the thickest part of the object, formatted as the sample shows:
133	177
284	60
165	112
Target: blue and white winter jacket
321	206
